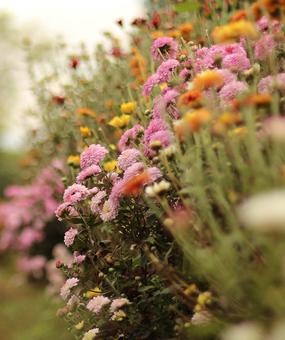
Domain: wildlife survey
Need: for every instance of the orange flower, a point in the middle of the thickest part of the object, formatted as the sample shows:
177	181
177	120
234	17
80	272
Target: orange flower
186	30
207	79
85	111
191	98
157	34
239	15
274	7
138	67
134	186
174	34
234	31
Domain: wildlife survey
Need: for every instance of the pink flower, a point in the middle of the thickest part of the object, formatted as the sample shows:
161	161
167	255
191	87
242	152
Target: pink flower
269	83
128	138
185	74
232	90
118	303
133	170
165	103
28	237
65	209
236	62
32	265
109	210
166	69
75	193
66	288
128	157
227	75
94	154
78	258
164	47
151	82
92	170
264	47
96	304
97	201
69	236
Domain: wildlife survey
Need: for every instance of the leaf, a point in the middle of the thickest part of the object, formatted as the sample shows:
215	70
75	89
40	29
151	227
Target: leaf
189	6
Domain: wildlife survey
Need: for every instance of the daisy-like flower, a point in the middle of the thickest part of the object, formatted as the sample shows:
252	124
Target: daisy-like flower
94	154
75	193
69	236
66	288
96	304
164	48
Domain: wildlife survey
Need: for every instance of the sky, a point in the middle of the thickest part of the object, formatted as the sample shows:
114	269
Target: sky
76	20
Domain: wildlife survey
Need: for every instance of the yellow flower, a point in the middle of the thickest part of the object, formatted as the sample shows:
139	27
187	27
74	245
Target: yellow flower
79	326
93	292
110	166
119	315
128	107
120	122
204	298
207	79
73	160
174	34
234	31
157	34
85	131
113	147
163	86
85	111
191	289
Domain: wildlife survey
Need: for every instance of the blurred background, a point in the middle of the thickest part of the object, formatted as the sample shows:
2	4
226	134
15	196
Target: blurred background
26	312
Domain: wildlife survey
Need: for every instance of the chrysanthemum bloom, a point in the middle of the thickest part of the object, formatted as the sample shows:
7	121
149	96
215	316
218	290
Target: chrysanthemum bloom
97	201
65	209
88	172
73	160
191	98
166	69
94	154
274	128
78	258
236	62
111	166
97	303
128	107
234	31
166	104
75	193
109	210
151	82
227	75
270	83
85	111
232	90
91	334
164	48
69	236
128	158
195	119
138	67
85	131
66	288
128	138
238	15
208	79
120	121
118	303
264	47
186	30
185	74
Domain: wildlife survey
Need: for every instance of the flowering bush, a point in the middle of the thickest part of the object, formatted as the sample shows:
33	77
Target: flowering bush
175	190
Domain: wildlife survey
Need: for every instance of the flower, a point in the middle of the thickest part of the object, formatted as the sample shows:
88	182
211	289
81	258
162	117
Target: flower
164	48
190	98
93	292
264	47
128	157
236	62
92	155
69	236
274	128
128	107
66	288
118	303
242	331
110	166
234	31
75	193
96	304
65	208
92	170
264	212
208	79
129	136
85	131
73	160
150	84
109	210
120	121
97	201
85	111
157	188
91	334
118	315
232	90
166	69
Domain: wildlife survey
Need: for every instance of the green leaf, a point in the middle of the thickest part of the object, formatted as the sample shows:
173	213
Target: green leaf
189	6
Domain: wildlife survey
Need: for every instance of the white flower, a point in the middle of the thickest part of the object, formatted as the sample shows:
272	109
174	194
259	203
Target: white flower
264	212
157	188
97	303
118	303
244	331
65	289
90	335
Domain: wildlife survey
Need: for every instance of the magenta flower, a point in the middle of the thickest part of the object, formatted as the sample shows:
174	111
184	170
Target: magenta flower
236	62
164	48
75	193
94	154
166	69
151	82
